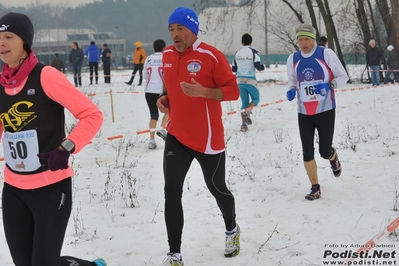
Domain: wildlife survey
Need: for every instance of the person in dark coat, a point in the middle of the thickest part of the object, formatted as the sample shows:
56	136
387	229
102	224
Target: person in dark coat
373	59
76	57
393	65
58	63
106	58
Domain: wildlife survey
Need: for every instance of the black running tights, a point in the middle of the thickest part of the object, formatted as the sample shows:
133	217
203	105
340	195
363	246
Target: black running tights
35	221
324	123
177	161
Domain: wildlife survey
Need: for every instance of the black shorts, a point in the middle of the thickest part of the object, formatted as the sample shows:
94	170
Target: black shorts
152	99
324	123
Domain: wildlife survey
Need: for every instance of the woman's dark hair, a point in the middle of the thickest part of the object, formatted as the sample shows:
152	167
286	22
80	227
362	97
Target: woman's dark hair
26	48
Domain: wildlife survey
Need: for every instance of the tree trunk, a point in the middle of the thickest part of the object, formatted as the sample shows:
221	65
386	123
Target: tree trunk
394	36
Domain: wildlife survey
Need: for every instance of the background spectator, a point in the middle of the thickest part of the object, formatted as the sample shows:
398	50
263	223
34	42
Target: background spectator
93	54
373	60
323	41
58	63
106	58
392	65
76	57
138	62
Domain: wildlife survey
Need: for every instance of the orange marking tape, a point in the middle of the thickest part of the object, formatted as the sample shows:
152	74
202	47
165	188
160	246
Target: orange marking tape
143	131
250	108
372	242
390	228
126	92
149	130
280	101
115	137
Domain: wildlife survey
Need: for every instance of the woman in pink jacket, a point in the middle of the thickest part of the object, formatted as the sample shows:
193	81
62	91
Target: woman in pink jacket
37	192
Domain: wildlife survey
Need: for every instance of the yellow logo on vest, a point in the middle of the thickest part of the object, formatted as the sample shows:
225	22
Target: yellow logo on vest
17	119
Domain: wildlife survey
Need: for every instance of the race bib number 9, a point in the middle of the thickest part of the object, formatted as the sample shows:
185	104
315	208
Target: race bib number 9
20	150
307	93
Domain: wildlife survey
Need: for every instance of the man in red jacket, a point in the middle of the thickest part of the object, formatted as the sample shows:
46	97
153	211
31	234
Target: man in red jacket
197	77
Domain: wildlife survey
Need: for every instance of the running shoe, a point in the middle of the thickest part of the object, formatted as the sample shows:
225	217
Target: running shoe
232	244
315	192
100	262
152	145
172	260
162	134
247	116
335	164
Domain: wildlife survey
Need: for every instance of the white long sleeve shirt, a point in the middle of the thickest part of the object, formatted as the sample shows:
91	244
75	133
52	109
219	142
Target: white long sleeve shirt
304	71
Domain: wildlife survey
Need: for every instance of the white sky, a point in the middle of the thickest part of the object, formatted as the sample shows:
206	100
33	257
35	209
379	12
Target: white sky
264	171
71	3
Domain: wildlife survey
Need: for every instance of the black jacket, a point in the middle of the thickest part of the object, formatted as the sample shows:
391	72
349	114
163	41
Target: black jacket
76	57
106	56
373	56
392	62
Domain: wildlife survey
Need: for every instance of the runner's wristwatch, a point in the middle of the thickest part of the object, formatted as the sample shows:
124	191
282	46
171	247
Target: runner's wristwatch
68	145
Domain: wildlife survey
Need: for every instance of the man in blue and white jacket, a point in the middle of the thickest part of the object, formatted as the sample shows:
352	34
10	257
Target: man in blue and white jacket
246	60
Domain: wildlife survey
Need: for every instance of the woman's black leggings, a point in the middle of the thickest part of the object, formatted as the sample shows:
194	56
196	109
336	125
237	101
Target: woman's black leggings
35	221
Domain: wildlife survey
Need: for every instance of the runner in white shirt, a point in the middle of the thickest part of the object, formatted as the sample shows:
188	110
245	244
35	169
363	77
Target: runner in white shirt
246	61
153	74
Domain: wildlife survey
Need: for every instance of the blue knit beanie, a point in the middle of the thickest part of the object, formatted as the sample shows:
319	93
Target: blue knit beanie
186	17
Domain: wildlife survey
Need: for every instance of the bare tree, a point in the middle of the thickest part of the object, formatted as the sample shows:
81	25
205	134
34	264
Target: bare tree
387	19
296	13
349	25
394	37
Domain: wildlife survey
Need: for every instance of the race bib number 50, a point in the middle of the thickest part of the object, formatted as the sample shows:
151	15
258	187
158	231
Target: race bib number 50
20	150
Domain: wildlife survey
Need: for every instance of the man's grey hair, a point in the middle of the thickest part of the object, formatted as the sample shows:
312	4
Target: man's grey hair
306	28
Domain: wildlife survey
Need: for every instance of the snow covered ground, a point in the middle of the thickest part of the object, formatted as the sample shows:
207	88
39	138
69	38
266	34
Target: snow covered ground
118	188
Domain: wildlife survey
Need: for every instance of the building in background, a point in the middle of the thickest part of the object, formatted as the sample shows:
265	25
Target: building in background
47	42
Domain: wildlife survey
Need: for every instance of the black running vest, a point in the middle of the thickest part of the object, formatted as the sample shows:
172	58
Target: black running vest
31	108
